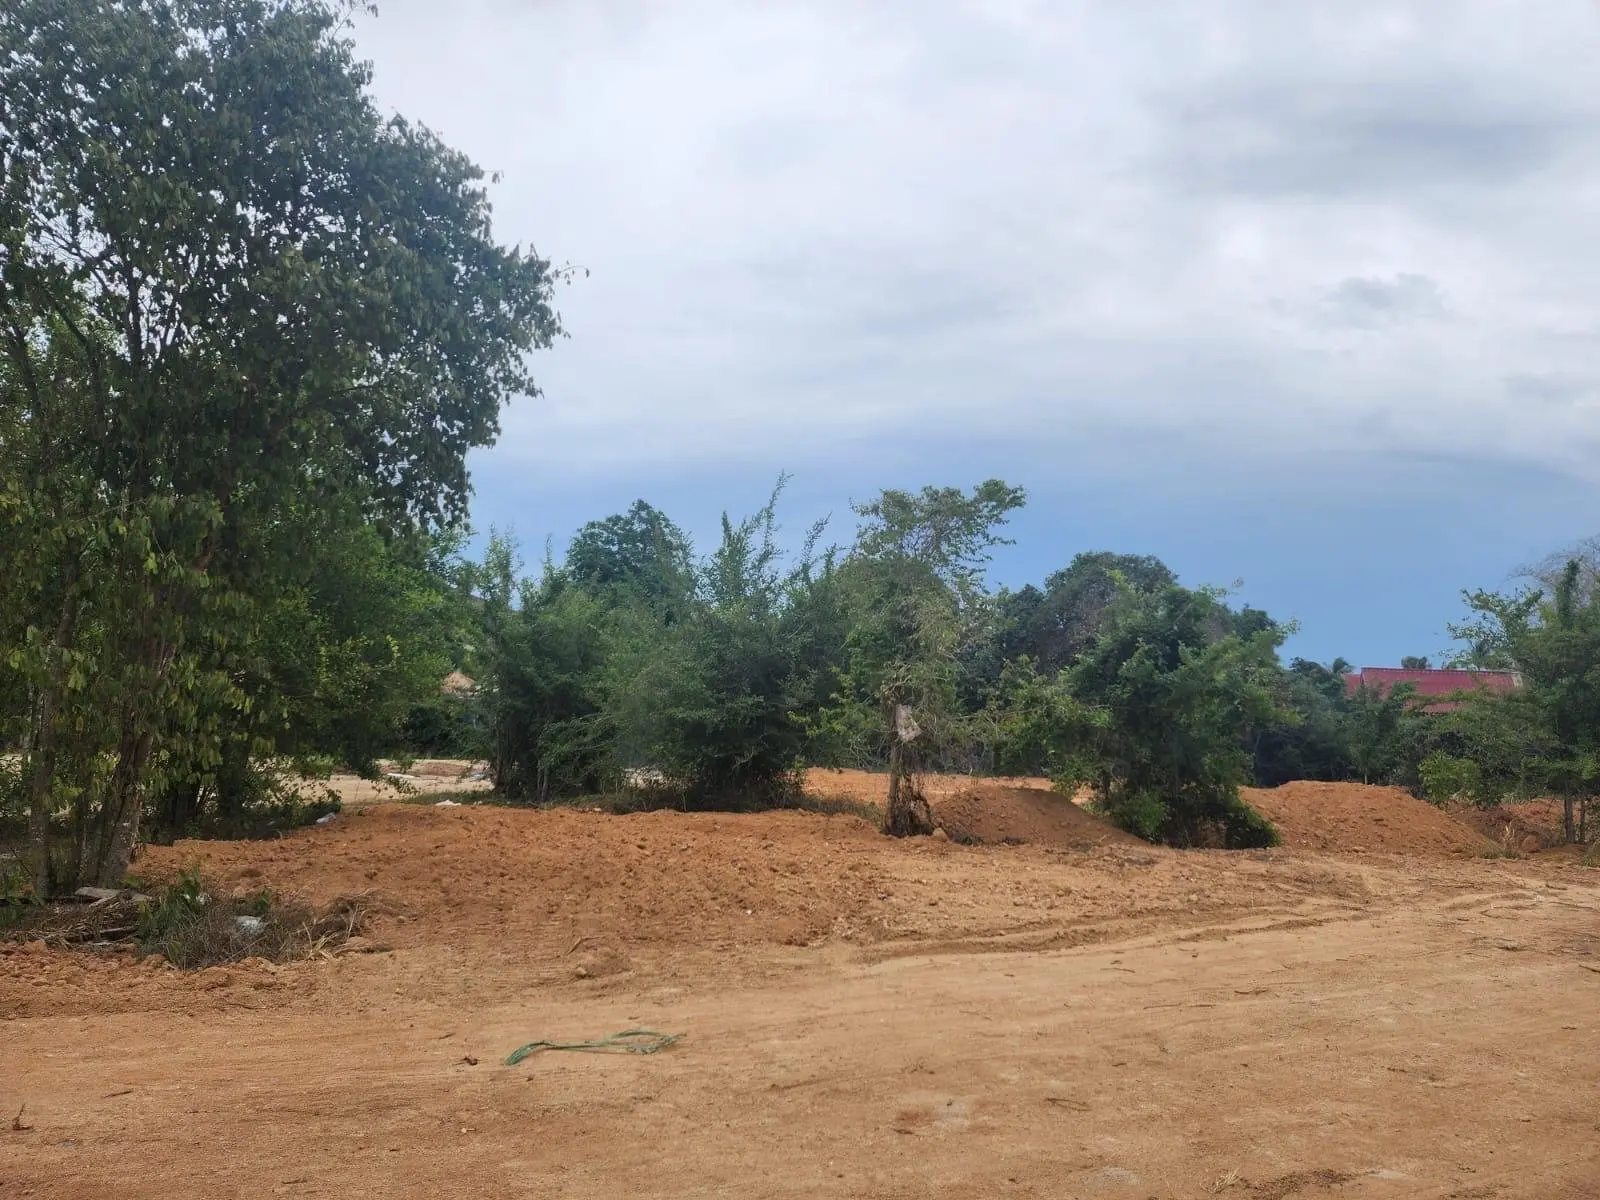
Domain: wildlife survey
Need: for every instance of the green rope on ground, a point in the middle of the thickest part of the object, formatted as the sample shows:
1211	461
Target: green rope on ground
629	1041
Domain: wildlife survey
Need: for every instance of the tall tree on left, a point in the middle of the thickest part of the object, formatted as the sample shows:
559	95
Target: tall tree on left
229	287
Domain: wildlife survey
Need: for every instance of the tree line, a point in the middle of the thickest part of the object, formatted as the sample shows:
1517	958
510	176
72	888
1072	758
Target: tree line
715	677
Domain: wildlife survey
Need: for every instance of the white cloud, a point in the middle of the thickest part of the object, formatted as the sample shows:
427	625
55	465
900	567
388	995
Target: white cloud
1319	227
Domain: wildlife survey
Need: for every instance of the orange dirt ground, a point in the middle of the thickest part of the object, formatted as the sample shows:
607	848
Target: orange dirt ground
863	1018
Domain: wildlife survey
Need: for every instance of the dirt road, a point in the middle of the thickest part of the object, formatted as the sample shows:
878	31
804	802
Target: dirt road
862	1019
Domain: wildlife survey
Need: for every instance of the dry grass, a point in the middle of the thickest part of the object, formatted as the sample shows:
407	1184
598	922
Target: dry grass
215	934
192	929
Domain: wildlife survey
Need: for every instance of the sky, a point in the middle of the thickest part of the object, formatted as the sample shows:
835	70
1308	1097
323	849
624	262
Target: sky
1299	297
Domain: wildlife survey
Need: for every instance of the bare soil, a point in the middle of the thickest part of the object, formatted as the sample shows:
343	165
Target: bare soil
1356	818
863	1017
970	809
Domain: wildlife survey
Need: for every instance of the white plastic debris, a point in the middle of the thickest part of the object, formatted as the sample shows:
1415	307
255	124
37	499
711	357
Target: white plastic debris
325	820
447	804
250	926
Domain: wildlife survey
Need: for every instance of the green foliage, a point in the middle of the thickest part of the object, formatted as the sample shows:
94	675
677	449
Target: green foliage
326	660
1054	626
1445	777
177	905
942	530
1381	730
595	676
545	647
739	666
640	554
13	796
233	297
1153	716
715	679
1503	742
444	726
1311	737
1543	739
917	618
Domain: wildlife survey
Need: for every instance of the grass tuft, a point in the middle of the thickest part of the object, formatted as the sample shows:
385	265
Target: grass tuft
192	928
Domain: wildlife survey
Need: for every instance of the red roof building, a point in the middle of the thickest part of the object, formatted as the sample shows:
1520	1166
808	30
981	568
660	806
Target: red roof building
1442	683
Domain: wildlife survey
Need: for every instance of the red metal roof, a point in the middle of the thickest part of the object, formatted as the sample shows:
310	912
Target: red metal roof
1440	682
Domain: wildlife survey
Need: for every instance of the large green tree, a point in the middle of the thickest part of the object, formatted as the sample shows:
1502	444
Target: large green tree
641	553
228	286
1154	716
1053	625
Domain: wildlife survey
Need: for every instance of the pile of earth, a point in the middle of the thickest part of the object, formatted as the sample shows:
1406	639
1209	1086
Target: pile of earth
995	813
489	871
990	811
1343	817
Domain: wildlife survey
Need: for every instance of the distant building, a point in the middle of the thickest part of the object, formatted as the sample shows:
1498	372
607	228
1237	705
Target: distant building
1435	683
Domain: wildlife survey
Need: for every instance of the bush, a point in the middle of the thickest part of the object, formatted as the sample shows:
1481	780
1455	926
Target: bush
1447	778
1245	828
16	894
1216	821
1152	718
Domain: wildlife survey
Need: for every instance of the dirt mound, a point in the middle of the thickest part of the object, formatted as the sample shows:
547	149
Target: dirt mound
988	810
655	876
1354	816
995	813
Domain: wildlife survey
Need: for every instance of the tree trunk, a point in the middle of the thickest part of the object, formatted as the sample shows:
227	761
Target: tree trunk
117	828
43	753
907	813
1569	826
119	818
43	748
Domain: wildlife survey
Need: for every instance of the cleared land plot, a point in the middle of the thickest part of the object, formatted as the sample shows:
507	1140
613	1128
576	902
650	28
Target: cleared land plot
862	1018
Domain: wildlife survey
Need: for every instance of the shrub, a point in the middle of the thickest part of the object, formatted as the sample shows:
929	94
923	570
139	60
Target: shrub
1447	778
1152	718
